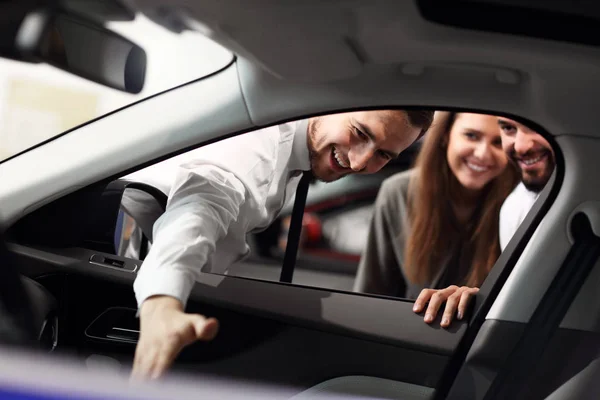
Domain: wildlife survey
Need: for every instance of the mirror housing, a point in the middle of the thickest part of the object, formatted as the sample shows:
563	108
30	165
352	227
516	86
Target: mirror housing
114	218
82	47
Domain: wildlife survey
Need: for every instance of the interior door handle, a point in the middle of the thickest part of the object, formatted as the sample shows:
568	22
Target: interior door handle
116	324
122	334
99	259
111	262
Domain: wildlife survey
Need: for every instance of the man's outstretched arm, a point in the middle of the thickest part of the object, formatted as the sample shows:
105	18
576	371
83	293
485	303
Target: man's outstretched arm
204	203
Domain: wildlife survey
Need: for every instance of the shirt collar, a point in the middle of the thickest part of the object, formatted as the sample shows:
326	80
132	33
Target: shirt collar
527	192
300	158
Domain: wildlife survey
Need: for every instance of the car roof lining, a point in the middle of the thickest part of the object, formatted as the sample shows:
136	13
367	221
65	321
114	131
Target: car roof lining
355	53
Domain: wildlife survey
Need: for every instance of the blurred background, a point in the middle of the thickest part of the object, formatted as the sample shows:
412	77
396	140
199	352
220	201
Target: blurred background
38	102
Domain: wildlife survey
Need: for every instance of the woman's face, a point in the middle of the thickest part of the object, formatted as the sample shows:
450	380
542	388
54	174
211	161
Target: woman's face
474	153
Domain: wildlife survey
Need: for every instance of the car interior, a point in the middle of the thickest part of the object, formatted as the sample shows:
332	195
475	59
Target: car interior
532	331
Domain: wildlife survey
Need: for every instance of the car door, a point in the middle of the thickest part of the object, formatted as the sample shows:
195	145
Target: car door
297	336
304	339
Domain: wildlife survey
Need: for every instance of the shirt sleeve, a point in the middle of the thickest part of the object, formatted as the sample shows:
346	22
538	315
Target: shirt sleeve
379	271
226	182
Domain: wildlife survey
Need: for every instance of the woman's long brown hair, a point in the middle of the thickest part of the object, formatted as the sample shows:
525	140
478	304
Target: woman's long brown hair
431	187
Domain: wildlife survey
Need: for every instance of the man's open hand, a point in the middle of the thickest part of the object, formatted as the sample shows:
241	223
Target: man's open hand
164	331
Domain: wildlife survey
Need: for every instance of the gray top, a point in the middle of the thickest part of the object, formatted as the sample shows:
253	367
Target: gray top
380	270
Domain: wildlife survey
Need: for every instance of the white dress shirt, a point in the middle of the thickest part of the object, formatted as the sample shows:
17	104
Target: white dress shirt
218	194
513	212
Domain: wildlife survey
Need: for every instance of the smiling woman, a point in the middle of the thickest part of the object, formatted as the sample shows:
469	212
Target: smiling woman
437	225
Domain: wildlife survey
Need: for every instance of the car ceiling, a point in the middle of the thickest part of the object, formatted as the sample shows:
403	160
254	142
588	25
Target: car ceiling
358	46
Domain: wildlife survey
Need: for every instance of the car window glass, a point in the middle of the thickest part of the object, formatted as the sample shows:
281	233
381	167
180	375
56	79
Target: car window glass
357	229
336	218
38	101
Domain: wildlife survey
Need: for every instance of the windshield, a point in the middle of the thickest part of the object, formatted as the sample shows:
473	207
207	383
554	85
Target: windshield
38	101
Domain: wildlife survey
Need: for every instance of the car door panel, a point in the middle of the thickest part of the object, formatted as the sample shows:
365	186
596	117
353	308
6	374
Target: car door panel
350	313
288	334
254	348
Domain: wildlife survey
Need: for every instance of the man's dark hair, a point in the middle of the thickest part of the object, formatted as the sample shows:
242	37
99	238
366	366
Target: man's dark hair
421	119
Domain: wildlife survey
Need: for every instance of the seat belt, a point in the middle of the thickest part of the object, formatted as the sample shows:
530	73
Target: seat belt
293	239
550	312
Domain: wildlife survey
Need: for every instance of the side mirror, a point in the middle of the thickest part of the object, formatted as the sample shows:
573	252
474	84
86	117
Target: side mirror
82	47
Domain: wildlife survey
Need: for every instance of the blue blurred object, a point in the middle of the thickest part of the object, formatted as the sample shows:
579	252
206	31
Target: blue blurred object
27	375
118	230
31	395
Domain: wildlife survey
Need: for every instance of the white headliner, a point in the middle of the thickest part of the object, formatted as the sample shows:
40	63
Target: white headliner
307	42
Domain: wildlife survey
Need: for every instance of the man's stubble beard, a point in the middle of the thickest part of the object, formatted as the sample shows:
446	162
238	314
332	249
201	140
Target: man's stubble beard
313	155
537	183
310	139
312	143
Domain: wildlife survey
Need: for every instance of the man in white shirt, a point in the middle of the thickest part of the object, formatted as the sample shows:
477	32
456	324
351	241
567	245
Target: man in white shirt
534	158
236	186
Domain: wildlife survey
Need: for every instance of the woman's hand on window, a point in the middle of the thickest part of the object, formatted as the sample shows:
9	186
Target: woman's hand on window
456	298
